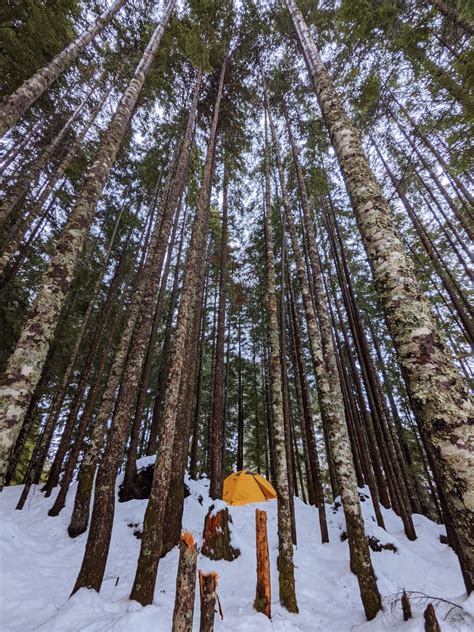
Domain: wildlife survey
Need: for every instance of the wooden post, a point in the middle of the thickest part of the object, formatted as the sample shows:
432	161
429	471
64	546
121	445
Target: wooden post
431	621
262	601
406	607
185	585
207	585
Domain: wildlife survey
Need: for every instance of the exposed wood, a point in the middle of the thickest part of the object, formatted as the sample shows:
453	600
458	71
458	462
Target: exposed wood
207	586
263	598
185	584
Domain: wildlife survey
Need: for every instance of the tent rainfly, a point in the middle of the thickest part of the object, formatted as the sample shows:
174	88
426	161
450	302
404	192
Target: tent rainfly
241	488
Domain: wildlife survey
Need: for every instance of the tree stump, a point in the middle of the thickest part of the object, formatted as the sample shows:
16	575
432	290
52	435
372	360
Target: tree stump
185	585
216	538
431	621
406	607
262	601
207	586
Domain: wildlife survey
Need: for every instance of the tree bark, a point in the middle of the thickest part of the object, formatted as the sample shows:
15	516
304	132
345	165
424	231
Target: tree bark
217	413
333	415
25	364
208	585
23	224
285	542
151	274
147	567
263	598
28	177
435	386
15	105
431	620
461	305
175	499
165	352
185	585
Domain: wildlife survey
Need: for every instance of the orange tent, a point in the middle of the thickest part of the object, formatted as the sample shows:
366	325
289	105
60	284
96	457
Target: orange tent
241	488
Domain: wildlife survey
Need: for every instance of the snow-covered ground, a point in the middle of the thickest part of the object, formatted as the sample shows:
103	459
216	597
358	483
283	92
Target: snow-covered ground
39	564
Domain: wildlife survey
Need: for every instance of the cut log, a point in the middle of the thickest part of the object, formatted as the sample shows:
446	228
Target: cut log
263	596
431	621
216	537
207	586
185	585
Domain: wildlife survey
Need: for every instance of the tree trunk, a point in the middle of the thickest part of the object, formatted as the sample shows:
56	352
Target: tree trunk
185	585
377	424
217	413
165	352
147	567
23	224
28	176
427	142
284	375
333	416
240	403
466	223
15	105
80	513
26	363
99	341
151	273
175	500
436	389
286	574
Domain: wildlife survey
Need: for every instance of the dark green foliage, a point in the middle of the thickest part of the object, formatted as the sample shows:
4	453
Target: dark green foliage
32	33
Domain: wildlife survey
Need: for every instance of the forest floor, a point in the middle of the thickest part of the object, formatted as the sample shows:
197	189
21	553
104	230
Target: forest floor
39	564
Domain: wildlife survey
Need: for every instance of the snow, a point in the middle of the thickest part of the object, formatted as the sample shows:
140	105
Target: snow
39	564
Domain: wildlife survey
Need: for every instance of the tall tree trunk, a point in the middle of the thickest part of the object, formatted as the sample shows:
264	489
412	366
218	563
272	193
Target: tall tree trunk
146	338
307	430
439	157
377	423
466	222
15	105
165	352
217	413
25	364
240	395
55	412
286	575
175	500
284	375
147	567
23	224
95	558
460	303
99	343
141	335
15	151
80	513
333	415
266	374
28	177
258	443
435	386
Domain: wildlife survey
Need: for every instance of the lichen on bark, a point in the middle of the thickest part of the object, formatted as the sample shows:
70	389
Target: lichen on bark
439	395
